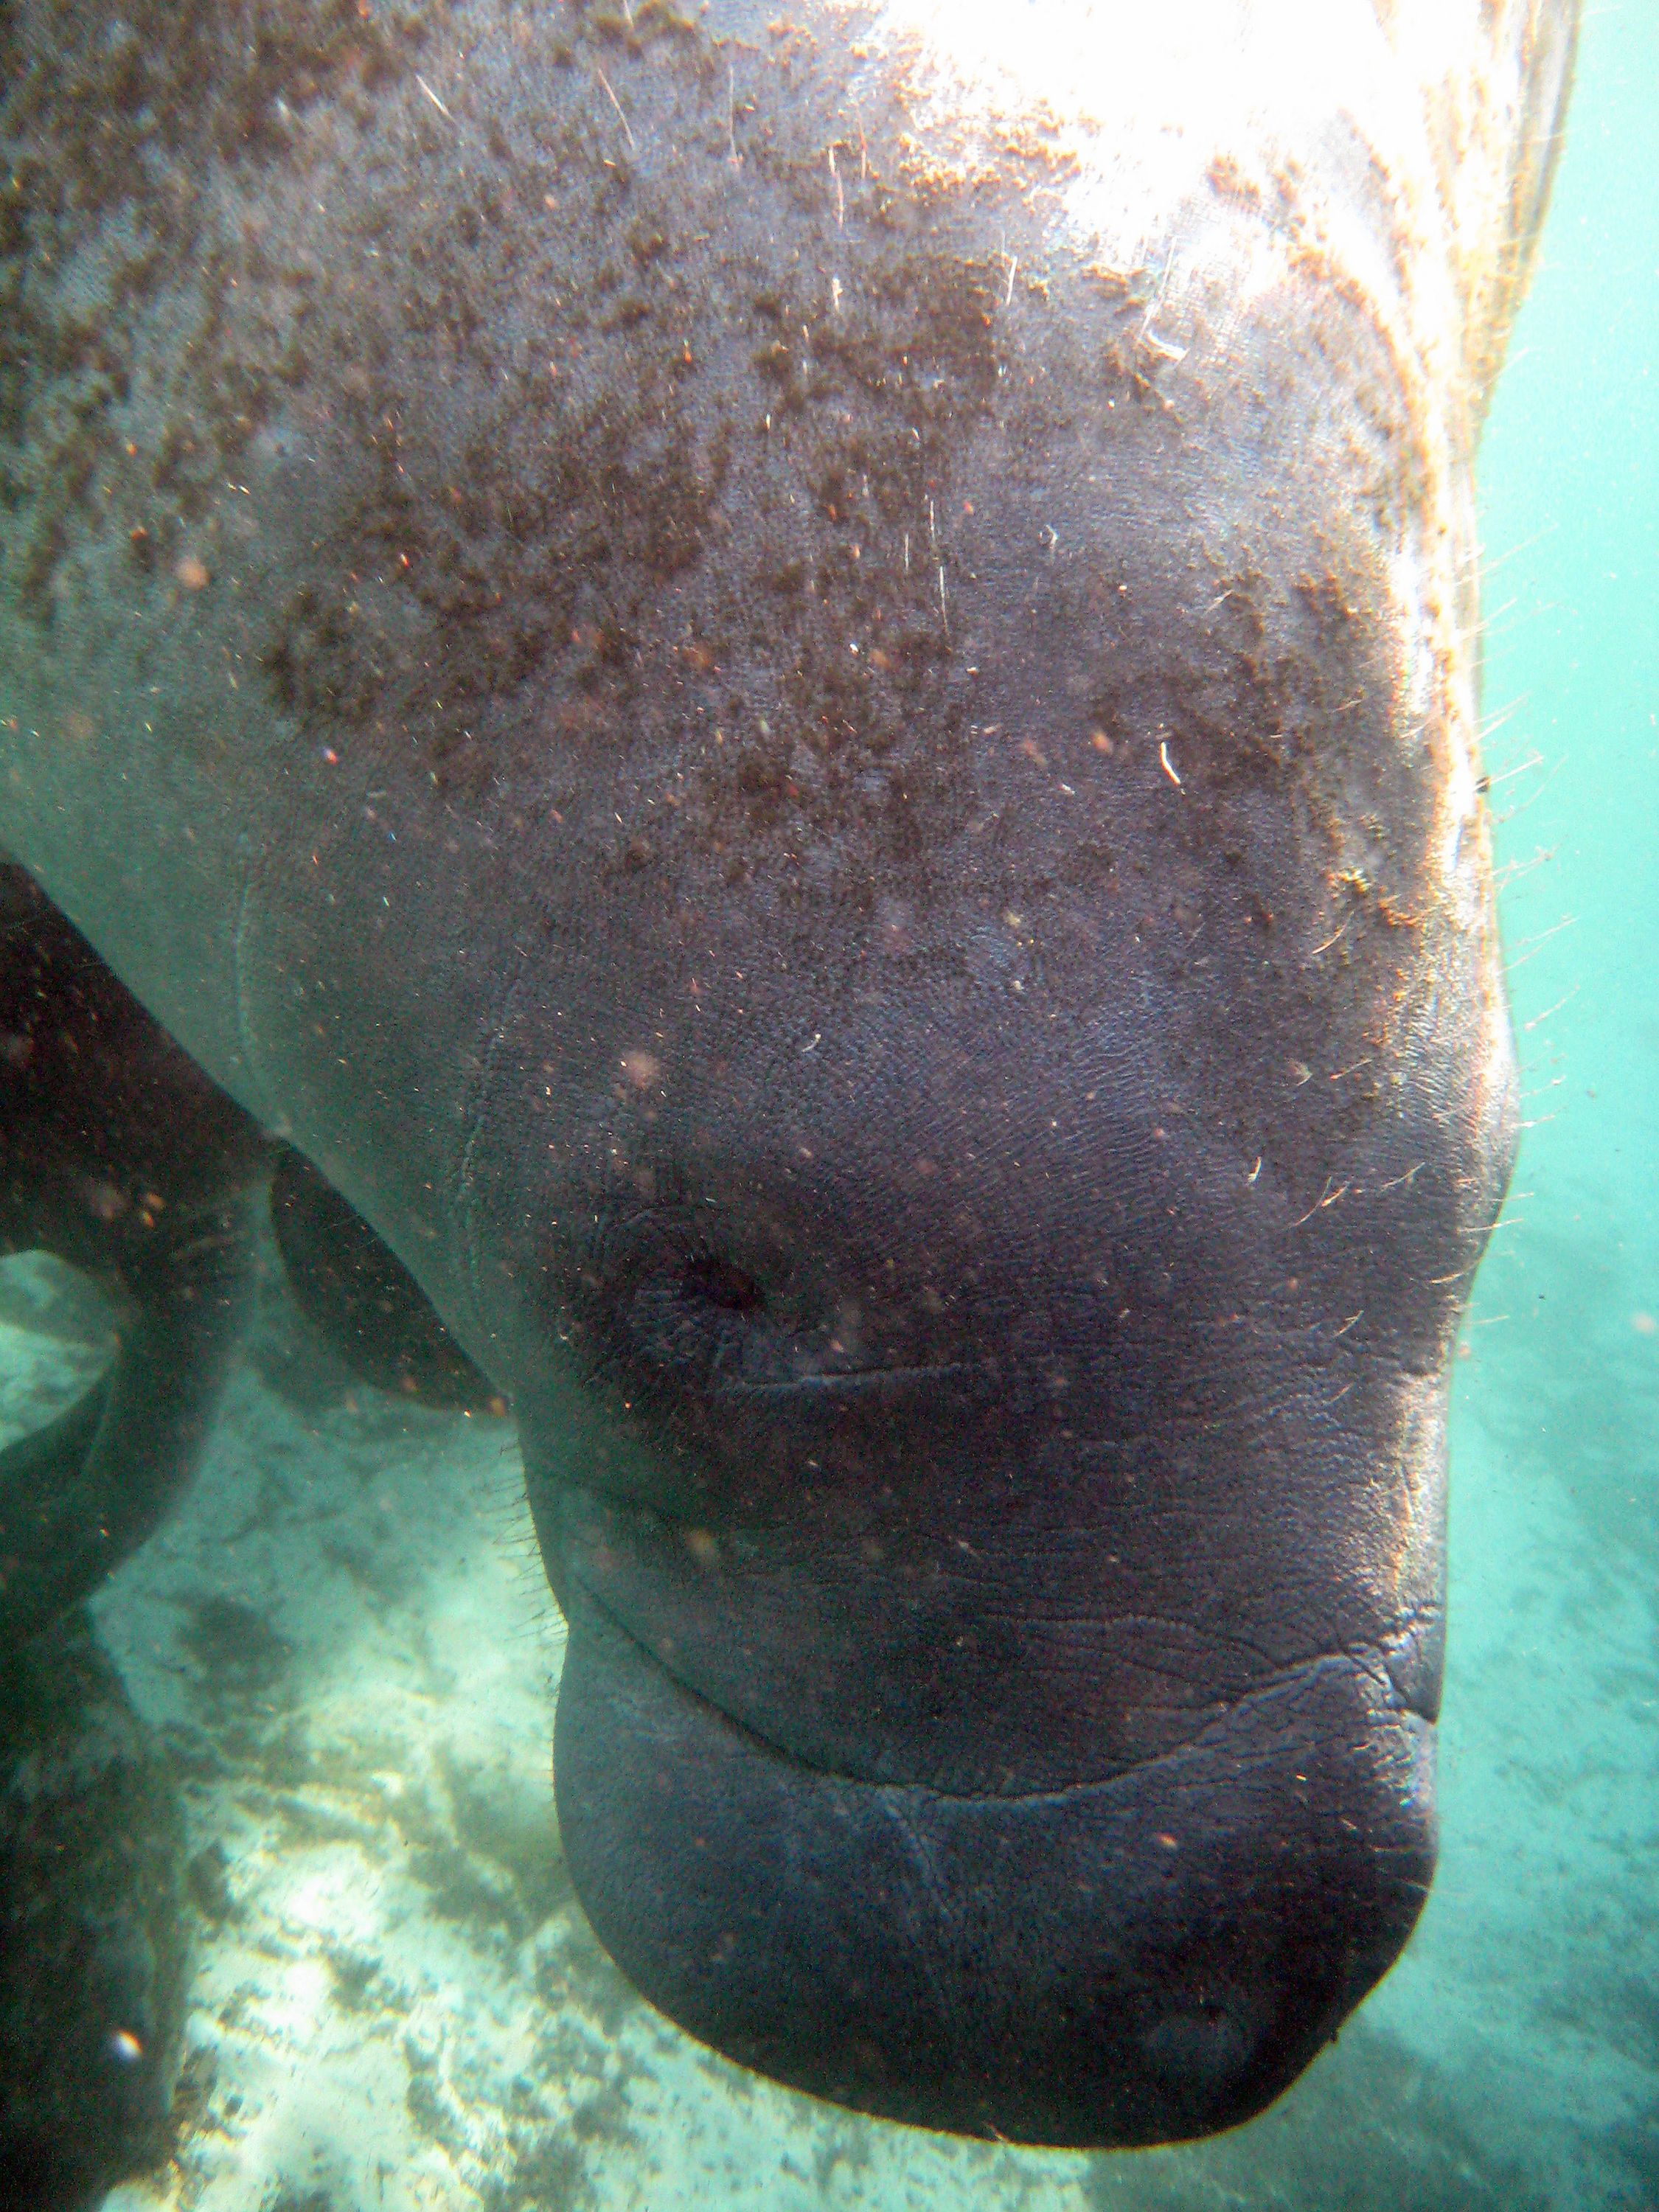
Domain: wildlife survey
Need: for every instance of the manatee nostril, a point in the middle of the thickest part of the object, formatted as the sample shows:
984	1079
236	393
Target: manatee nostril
1415	1660
712	1280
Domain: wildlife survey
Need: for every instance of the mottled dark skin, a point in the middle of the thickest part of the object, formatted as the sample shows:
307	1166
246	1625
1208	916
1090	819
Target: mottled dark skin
846	811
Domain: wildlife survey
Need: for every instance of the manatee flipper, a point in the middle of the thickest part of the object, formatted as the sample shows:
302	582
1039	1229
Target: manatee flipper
80	1495
358	1295
120	1157
93	1945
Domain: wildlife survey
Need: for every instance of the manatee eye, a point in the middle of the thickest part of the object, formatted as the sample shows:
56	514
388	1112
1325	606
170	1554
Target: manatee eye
711	1280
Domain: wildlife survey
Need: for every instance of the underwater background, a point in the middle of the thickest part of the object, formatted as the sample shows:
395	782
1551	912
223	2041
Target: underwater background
346	1639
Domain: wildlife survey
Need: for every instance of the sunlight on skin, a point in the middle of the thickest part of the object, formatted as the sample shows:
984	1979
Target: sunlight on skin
1139	112
1136	107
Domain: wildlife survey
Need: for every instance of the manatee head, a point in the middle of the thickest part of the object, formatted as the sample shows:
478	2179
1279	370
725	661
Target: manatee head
999	1505
994	1123
799	691
848	807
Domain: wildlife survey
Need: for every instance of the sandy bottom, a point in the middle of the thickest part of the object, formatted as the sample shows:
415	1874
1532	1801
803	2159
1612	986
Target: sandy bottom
345	1637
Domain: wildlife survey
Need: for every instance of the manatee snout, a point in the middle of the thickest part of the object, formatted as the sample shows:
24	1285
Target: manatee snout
1005	1615
949	1055
1152	1957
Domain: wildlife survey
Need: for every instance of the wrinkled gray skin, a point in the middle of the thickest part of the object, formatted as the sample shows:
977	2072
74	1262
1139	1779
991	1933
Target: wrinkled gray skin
800	692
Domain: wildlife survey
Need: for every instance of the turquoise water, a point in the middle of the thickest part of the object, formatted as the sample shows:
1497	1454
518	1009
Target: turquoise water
1535	1976
379	2018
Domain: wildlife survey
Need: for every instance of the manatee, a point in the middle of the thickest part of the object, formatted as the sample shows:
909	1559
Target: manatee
121	1159
94	1951
799	692
119	1156
361	1301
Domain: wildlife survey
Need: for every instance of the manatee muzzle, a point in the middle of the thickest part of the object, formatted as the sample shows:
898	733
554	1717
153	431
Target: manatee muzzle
1138	1960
